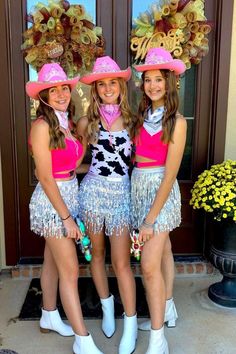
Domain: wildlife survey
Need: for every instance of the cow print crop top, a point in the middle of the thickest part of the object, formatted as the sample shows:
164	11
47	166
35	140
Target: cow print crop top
111	154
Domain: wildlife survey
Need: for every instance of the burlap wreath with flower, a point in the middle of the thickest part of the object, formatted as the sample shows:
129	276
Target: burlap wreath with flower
180	26
62	33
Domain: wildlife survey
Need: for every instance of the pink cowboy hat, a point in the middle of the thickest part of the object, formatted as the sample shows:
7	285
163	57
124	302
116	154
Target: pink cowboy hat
50	75
105	67
159	58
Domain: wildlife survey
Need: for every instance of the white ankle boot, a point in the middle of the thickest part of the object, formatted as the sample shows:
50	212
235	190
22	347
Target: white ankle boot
108	318
170	313
129	337
51	321
85	345
170	317
157	342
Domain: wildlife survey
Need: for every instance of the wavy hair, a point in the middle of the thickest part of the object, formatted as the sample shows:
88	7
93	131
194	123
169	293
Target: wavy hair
171	103
57	137
94	116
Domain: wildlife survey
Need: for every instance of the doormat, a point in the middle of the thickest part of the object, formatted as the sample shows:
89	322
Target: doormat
90	303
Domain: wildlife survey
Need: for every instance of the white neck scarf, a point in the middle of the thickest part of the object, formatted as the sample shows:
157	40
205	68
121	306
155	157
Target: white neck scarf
63	118
153	122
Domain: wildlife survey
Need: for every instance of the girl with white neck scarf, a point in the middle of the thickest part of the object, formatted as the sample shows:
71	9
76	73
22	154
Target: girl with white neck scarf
155	197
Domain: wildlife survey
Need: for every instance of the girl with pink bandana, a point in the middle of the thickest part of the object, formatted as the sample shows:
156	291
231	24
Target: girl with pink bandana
104	197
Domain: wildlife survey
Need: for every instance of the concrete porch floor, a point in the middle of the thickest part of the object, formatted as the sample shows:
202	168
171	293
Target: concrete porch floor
202	327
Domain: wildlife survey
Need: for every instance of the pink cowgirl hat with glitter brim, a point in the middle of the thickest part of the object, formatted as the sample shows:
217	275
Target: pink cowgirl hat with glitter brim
105	67
159	58
50	75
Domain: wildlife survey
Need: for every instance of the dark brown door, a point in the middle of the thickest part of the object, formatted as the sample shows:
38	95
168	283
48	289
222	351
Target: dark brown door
115	18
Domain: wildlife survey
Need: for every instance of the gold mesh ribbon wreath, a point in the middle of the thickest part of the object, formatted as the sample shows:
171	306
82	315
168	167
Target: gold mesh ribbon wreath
62	33
180	26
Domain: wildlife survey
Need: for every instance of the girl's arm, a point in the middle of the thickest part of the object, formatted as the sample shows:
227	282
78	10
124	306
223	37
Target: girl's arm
43	162
173	161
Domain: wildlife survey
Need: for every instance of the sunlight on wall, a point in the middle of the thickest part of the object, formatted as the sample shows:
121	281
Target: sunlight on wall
230	144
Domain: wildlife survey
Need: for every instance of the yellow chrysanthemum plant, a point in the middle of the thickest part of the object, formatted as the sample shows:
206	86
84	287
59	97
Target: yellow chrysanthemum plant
215	191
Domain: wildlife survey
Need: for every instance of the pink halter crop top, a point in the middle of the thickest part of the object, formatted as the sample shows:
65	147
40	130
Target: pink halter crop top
66	159
151	147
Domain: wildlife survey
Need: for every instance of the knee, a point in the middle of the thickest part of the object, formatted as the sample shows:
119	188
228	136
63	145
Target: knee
71	273
120	266
98	255
149	270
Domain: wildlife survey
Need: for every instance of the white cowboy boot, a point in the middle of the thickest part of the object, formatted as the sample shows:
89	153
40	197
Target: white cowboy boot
85	345
129	337
51	321
170	317
157	342
108	318
170	313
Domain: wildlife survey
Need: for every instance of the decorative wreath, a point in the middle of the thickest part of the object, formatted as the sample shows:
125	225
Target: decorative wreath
62	33
179	26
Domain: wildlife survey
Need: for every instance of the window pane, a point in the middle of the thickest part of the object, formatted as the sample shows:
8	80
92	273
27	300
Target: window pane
186	94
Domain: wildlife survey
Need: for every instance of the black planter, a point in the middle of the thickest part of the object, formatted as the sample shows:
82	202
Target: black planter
223	257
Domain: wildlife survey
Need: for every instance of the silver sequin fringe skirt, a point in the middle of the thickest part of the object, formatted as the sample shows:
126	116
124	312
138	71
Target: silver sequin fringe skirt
105	202
44	219
144	186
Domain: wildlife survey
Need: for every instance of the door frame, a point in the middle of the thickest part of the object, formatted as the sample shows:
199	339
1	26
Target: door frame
13	103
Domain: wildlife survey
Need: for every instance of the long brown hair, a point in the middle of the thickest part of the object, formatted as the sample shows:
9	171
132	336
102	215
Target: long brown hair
94	116
57	137
171	103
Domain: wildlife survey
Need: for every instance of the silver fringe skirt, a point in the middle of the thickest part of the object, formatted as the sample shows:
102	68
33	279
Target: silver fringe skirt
144	186
105	202
44	219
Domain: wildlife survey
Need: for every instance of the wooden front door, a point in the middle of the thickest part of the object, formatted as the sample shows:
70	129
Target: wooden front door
201	107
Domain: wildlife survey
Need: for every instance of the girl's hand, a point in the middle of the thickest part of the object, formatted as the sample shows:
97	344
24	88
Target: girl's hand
72	230
145	233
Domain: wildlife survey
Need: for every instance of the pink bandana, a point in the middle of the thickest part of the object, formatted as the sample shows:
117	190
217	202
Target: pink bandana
110	113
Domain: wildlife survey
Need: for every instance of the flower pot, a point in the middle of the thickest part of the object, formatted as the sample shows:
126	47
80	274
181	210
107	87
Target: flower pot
223	257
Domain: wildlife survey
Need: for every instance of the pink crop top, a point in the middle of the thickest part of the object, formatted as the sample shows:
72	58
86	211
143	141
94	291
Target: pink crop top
66	159
150	147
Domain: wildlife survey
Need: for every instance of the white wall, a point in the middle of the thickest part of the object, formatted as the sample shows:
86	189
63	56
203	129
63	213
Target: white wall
230	145
2	238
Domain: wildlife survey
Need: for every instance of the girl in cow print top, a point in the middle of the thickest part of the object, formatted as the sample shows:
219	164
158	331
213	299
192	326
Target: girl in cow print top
104	196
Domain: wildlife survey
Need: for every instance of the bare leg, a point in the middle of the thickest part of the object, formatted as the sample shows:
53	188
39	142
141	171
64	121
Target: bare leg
49	280
168	268
98	264
153	278
65	257
120	256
